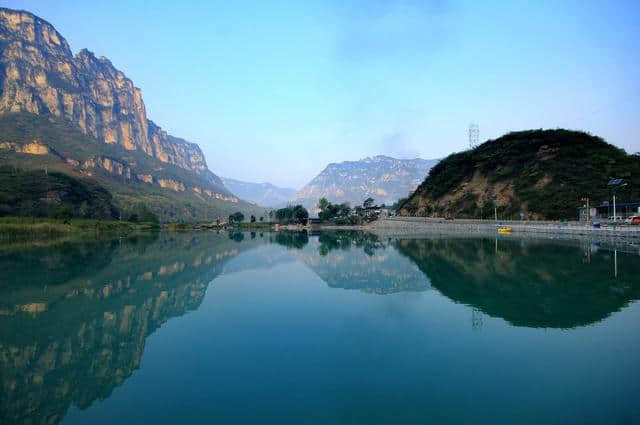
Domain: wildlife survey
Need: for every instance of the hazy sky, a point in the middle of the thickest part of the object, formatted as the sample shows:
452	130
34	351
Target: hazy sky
275	90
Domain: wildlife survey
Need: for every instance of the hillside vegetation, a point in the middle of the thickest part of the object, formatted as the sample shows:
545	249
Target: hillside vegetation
68	149
52	195
543	173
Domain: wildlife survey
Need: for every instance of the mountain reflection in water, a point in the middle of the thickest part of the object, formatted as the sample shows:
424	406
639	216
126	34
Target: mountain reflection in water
528	283
74	317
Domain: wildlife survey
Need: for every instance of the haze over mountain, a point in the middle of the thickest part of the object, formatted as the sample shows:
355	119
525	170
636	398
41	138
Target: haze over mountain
263	194
81	116
382	178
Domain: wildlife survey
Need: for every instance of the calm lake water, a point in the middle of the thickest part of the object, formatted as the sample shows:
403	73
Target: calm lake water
336	328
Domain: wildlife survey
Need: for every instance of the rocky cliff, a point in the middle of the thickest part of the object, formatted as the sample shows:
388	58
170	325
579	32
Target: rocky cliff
382	178
47	95
42	76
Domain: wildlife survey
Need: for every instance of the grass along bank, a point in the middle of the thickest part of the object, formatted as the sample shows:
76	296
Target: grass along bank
33	229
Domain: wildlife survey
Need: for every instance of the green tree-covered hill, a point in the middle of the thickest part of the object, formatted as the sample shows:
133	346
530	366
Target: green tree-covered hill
544	173
35	193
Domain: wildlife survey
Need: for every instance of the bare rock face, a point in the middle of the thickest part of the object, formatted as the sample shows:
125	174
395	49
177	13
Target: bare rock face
39	74
33	148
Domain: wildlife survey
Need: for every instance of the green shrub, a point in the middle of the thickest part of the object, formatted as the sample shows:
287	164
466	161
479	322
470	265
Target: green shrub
36	193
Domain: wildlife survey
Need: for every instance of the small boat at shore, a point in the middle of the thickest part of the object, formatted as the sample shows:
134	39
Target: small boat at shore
504	230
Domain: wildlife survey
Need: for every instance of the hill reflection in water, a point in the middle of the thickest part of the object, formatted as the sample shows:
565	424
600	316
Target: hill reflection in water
353	260
533	283
74	318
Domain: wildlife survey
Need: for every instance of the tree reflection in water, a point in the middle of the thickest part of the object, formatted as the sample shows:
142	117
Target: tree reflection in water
74	317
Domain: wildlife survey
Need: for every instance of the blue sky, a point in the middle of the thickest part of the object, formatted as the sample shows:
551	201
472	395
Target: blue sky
275	90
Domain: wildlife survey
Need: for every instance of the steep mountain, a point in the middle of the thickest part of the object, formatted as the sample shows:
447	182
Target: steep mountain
543	173
82	116
263	194
382	178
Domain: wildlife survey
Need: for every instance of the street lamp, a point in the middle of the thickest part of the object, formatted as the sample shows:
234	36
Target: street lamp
588	214
495	208
615	184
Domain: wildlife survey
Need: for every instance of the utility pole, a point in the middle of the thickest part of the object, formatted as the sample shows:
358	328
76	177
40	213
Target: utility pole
615	184
588	212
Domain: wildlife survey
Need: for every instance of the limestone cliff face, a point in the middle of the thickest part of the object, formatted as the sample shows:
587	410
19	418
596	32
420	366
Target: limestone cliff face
33	148
39	74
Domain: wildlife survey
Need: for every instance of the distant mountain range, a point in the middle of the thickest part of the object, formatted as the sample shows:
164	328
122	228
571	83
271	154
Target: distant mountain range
382	178
263	194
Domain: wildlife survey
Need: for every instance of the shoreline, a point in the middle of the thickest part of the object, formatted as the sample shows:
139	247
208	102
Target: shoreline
26	228
406	226
42	231
622	241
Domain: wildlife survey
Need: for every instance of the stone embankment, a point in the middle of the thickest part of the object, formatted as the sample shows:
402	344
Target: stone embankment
412	225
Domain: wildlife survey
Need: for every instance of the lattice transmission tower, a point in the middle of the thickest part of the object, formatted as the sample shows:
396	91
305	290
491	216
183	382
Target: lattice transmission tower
474	135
